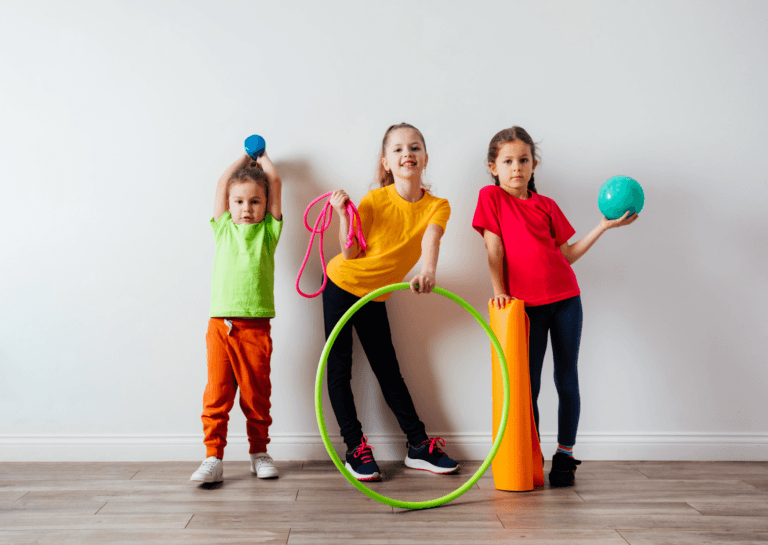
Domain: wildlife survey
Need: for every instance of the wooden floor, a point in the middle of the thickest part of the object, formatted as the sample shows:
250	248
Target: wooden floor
613	503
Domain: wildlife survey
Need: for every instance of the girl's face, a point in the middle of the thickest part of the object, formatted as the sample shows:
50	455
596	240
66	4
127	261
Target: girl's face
247	202
405	155
514	167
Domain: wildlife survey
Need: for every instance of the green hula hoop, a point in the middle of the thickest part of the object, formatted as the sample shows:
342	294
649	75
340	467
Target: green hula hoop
319	402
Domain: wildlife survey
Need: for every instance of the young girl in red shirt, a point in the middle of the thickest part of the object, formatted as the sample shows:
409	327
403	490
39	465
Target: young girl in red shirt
529	258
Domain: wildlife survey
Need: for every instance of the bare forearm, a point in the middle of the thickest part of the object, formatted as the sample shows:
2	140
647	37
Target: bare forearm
220	199
495	249
430	250
276	198
353	251
231	169
275	187
496	269
424	282
580	247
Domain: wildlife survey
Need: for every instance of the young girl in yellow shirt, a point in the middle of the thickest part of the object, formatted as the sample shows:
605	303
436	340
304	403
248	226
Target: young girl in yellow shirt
400	221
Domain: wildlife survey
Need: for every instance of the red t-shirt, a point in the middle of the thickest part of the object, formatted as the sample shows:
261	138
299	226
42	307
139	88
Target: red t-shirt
531	231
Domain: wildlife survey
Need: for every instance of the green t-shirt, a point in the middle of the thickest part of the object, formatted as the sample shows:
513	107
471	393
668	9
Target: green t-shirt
243	282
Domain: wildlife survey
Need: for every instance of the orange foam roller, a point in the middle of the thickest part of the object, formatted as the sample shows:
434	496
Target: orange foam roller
517	465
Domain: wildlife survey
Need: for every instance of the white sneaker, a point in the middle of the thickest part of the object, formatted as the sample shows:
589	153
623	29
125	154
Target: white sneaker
262	466
210	471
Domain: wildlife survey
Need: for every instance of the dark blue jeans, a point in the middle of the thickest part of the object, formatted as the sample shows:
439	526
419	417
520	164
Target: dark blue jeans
562	320
372	326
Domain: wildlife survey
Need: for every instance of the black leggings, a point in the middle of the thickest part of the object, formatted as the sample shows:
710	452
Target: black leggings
562	320
372	326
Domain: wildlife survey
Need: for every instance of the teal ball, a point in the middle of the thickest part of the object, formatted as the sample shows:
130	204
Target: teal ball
619	195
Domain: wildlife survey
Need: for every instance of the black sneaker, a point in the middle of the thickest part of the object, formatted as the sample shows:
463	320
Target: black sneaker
563	470
361	464
429	457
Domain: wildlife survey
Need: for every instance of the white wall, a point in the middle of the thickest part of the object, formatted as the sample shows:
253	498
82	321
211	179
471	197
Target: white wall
118	118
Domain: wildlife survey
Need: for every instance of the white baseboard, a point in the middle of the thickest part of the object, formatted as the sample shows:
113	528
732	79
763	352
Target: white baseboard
309	446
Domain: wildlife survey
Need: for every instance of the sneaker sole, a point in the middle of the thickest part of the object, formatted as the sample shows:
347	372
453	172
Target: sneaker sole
264	475
426	466
372	477
560	481
206	479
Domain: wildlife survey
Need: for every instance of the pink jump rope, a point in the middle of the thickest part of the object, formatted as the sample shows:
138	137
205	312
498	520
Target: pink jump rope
327	211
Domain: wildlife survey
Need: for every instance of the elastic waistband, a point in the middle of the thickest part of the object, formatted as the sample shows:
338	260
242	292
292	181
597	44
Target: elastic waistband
244	322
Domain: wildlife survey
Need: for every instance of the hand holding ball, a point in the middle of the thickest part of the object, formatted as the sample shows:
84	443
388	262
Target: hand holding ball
619	195
255	146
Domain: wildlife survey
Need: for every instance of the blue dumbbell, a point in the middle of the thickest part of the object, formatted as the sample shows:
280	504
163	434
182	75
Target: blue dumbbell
255	146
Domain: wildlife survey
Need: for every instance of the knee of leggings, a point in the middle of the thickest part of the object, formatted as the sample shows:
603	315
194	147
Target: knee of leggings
339	359
567	386
535	389
339	375
390	379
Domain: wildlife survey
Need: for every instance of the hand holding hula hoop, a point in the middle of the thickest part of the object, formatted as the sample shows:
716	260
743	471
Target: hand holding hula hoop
319	401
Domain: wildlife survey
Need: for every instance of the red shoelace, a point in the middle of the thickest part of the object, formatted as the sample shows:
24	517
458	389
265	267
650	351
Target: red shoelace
433	444
363	451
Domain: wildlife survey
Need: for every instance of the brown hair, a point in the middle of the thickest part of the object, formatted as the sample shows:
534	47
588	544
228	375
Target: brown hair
253	174
510	135
383	178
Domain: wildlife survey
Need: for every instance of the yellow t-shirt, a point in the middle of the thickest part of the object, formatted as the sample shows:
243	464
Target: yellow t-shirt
393	229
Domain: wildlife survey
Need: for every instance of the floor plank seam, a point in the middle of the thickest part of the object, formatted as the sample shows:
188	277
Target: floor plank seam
27	492
692	507
643	474
500	521
100	508
132	476
190	520
753	486
622	537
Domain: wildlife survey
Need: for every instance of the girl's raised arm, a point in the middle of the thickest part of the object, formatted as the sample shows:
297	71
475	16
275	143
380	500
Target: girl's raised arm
275	186
220	204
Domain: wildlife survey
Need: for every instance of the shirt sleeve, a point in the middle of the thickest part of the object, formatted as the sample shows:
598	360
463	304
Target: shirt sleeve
487	212
561	229
217	225
441	215
274	227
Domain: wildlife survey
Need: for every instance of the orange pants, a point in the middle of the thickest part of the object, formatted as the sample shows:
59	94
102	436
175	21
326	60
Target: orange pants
237	356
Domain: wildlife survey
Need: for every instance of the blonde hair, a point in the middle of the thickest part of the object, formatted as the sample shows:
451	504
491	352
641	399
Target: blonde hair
383	177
